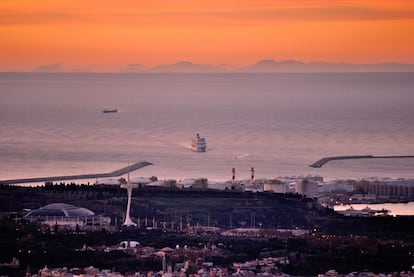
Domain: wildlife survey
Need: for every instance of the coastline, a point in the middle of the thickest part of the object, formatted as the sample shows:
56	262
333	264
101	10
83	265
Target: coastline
300	186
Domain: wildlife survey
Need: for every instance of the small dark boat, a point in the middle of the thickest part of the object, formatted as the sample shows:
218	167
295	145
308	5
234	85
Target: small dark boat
110	111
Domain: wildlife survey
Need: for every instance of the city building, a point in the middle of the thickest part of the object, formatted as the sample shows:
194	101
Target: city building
66	216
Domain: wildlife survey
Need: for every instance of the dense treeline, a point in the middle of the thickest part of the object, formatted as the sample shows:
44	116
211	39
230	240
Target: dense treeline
334	241
311	255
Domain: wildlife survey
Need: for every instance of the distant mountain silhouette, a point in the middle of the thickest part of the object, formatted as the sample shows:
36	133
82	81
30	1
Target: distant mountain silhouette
185	67
132	68
56	67
262	66
298	66
274	66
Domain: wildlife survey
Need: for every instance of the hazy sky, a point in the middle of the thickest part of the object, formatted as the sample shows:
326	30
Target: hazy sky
110	34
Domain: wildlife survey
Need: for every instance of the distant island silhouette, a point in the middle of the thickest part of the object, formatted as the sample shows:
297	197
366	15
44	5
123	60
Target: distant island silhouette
262	66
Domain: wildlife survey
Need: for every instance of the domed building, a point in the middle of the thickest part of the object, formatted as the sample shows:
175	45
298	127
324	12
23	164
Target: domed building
66	215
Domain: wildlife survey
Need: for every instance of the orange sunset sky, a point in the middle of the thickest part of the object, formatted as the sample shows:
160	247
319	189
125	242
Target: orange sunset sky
107	35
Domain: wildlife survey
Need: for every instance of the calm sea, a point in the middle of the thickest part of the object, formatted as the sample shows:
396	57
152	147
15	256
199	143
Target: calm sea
52	124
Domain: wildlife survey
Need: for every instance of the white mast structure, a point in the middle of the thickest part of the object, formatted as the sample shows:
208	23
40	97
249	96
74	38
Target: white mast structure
129	186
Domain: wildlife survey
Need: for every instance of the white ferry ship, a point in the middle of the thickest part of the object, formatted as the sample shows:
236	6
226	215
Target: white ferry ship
199	144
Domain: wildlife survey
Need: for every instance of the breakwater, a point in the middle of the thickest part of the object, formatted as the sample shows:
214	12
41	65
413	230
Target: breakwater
115	173
323	161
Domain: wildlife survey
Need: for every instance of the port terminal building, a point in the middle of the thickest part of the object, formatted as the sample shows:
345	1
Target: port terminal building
402	188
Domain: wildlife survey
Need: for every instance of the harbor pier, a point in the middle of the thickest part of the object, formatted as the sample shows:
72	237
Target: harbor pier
323	161
115	173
